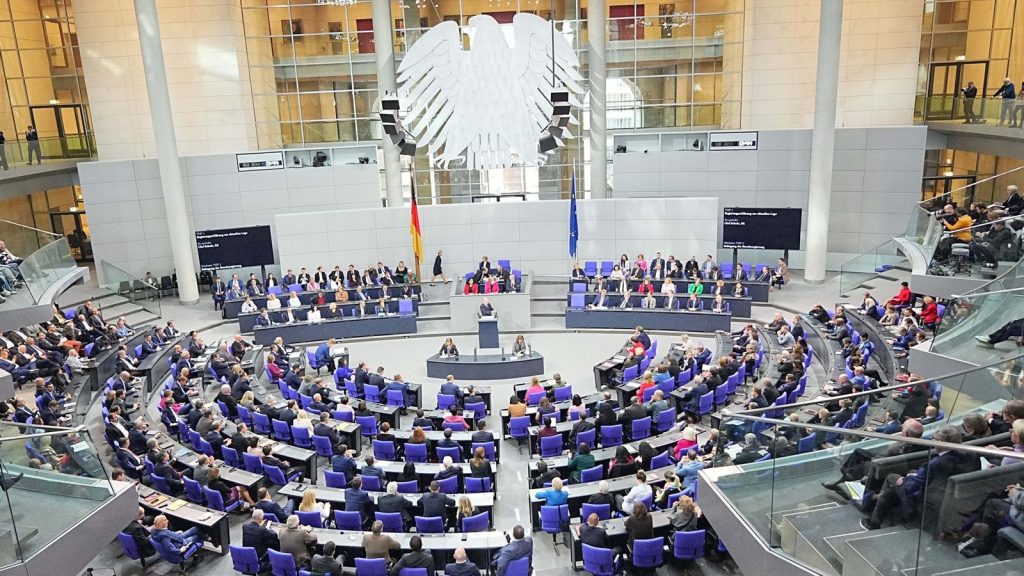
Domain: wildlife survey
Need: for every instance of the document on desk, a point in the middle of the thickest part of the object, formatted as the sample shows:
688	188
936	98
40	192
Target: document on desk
854	489
176	504
733	449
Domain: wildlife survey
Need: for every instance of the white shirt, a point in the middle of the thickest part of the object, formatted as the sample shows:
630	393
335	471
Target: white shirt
667	288
313	316
294	302
636	494
274	304
248	307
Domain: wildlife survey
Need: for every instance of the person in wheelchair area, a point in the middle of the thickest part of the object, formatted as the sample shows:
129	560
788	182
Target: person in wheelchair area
957	222
998	243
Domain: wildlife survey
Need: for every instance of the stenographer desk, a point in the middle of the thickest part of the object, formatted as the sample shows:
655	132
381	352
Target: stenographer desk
348	327
247	321
212	522
485	367
650	319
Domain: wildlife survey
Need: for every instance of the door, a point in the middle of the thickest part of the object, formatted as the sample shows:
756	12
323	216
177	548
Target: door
364	32
938	188
945	79
626	22
73	226
62	130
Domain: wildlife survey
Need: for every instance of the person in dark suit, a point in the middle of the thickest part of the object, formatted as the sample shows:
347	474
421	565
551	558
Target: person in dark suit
357	500
482	435
132	465
592	534
519	546
137	438
239	347
417	558
168	473
435	504
327	563
267	504
287	414
377	378
462	566
139	532
394	502
322	428
901	496
256	535
343	462
486	309
634	412
452	389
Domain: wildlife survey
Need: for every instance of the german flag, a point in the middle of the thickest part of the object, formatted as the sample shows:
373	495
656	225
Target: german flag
414	229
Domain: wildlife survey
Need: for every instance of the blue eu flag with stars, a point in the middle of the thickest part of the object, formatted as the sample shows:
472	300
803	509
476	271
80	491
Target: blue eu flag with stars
574	228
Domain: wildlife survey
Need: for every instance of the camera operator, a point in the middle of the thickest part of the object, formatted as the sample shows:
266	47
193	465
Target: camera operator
956	222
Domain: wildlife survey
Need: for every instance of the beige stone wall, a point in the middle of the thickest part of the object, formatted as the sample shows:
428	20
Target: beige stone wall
878	63
207	74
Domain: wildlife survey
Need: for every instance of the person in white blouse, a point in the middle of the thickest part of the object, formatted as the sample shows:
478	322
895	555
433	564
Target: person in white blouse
718	305
273	303
302	420
668	288
617	279
248	307
313	315
636	493
293	301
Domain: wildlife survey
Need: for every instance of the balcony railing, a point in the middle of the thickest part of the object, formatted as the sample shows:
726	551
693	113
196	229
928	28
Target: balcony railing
47	256
52	479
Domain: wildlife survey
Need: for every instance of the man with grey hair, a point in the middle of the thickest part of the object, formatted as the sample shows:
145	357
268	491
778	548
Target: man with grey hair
256	535
901	496
295	540
394	502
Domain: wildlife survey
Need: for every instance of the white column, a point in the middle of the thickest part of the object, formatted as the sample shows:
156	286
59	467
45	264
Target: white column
384	50
167	151
823	139
597	34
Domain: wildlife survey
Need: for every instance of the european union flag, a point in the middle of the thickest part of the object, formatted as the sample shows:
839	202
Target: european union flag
574	228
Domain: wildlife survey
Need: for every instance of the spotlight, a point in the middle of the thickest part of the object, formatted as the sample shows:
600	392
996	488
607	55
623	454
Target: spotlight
407	145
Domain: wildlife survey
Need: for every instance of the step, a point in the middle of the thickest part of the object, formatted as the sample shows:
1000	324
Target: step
803	535
433	326
897	552
547	307
991	568
837	543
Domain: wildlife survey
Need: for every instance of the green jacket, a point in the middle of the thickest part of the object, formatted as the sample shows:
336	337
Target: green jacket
579	463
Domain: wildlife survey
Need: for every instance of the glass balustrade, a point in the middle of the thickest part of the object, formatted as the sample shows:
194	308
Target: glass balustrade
123	283
45	257
770	465
51	479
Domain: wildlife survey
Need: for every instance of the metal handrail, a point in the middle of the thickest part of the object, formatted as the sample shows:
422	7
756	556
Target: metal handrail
975	183
48	233
979	450
1003	219
894	387
52	431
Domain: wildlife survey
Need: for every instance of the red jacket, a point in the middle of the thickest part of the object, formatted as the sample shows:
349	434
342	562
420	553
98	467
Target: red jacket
902	298
474	289
644	385
930	313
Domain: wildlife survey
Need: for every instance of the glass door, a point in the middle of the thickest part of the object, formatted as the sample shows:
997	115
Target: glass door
62	130
938	188
945	80
75	227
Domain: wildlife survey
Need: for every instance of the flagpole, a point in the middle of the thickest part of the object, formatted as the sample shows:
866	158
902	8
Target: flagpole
573	181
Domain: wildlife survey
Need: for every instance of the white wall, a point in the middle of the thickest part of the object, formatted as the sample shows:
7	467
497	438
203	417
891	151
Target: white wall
878	63
207	75
126	209
876	181
533	235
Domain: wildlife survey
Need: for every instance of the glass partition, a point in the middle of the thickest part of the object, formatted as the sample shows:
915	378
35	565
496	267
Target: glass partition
52	478
131	287
45	257
869	503
868	265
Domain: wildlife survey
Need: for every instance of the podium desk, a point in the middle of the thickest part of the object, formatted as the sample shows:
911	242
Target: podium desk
487	327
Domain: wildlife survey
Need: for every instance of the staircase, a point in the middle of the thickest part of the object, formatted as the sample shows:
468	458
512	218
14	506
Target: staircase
829	538
113	306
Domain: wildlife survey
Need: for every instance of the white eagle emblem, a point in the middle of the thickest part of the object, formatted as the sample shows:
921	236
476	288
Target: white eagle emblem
486	107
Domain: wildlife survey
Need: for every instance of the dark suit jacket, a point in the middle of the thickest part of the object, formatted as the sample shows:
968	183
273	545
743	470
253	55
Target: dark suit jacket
397	503
434	504
358	501
322	429
137	441
421	559
259	537
594	536
467	568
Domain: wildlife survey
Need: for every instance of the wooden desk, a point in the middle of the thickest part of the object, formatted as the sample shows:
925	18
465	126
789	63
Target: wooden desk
214	523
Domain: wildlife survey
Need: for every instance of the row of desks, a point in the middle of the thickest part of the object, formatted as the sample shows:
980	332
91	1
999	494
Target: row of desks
756	291
232	308
673	320
183	517
349	327
617	534
247	321
738	306
580	493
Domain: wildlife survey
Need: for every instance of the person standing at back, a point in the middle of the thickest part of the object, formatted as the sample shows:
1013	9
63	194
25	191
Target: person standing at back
3	151
32	138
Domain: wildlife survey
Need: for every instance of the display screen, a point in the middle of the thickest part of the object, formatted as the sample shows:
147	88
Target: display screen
234	248
761	228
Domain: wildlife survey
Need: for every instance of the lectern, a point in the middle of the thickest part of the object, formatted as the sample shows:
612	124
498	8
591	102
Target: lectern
487	327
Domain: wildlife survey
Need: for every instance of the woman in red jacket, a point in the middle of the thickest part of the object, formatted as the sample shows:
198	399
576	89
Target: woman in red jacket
930	312
904	296
471	287
646	287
